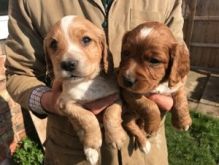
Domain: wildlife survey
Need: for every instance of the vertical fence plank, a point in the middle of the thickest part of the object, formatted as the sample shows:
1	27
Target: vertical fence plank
202	32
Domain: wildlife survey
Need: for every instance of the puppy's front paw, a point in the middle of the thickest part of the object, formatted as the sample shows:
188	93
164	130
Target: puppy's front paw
183	123
91	155
186	128
146	147
116	138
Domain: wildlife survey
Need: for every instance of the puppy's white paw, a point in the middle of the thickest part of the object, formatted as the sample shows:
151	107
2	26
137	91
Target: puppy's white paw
186	128
146	148
91	155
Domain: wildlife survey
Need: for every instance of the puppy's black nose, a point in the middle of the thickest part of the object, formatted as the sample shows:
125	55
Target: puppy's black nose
69	65
128	82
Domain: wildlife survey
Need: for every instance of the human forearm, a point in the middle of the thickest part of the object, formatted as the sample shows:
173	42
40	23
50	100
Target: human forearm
36	97
20	88
25	64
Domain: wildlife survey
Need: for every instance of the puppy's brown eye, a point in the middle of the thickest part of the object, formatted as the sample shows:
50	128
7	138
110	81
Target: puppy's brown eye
154	61
54	44
151	60
86	40
125	53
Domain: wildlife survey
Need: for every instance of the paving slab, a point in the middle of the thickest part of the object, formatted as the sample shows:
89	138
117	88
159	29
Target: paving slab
203	92
209	110
211	93
195	85
193	105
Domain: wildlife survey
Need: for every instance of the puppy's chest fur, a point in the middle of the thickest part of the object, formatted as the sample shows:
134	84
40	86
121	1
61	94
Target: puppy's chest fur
163	88
89	90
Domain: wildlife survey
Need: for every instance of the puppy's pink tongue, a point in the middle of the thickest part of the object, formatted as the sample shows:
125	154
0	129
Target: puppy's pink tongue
99	105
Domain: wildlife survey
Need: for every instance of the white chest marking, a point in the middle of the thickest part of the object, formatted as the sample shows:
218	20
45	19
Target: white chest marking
89	90
163	88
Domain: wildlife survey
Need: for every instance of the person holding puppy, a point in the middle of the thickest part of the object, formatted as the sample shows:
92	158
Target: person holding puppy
29	85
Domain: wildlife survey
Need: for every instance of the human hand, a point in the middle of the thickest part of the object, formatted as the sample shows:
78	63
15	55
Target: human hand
164	102
49	99
97	106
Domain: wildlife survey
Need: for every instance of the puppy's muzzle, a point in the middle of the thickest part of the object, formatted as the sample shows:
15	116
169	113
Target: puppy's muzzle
69	65
128	81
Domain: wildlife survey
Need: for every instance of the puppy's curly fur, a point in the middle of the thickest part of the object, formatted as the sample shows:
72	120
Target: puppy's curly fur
152	61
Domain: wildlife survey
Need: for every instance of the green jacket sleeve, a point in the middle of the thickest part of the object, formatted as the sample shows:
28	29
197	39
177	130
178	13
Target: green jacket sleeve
25	64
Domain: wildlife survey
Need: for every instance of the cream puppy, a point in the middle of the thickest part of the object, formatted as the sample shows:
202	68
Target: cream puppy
77	55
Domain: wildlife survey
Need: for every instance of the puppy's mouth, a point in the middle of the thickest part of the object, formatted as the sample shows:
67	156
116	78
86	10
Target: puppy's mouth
77	74
74	77
77	77
138	89
135	85
71	76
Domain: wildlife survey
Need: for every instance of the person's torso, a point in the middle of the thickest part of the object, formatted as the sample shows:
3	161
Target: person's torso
123	15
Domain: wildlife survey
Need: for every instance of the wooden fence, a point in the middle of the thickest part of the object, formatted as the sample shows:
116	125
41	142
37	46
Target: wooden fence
202	32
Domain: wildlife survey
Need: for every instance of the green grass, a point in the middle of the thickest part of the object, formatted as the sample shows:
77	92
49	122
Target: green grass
198	146
29	153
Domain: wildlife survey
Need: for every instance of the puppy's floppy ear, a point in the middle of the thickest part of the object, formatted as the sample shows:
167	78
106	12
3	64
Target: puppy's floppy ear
180	63
107	61
49	67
